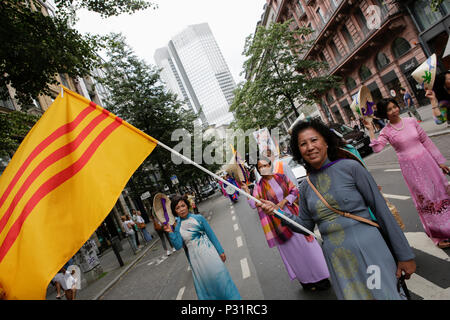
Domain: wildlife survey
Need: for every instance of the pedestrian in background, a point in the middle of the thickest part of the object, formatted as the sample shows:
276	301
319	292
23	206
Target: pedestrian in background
301	255
350	247
161	234
128	227
234	197
355	124
440	98
141	225
57	282
191	198
409	103
206	256
423	168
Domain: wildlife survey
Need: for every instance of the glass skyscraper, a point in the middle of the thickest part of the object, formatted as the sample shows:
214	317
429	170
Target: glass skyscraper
194	69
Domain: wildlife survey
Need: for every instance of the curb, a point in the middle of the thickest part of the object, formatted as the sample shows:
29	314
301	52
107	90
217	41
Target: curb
127	268
439	133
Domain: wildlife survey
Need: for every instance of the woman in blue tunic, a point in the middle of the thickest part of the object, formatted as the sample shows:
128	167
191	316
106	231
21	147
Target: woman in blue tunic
361	264
206	256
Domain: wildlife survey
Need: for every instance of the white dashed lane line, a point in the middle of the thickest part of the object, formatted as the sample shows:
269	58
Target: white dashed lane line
245	268
239	241
236	227
395	196
180	293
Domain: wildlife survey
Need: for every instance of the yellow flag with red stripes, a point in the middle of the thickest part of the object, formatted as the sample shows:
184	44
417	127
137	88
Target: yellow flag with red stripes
60	185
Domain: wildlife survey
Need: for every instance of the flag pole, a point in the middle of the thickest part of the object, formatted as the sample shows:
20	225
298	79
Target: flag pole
278	213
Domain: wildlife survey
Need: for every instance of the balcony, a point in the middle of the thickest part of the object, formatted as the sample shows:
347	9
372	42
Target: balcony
386	24
330	14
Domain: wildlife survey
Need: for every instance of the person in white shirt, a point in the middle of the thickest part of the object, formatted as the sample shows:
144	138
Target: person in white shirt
128	226
141	225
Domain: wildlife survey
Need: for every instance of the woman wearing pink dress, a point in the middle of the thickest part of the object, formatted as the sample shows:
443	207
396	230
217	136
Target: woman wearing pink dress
423	168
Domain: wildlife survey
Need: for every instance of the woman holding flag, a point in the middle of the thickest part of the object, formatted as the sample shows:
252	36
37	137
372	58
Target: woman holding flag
361	264
302	255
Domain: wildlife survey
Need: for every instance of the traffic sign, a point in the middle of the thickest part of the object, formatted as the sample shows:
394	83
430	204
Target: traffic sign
145	195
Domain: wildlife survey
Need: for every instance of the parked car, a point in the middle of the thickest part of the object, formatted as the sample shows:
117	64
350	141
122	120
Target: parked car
359	139
207	191
298	169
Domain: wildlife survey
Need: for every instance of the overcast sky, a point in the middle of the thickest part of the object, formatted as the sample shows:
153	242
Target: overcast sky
231	21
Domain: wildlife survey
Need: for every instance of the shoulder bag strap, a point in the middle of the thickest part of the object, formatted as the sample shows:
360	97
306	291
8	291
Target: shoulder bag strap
344	214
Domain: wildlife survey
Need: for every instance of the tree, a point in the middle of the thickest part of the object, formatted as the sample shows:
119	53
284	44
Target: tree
36	47
277	77
14	127
139	97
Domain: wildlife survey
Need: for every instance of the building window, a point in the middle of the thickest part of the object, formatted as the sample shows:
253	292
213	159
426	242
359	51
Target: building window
300	6
381	61
424	16
348	38
399	47
350	83
364	73
361	20
64	81
338	91
5	99
320	14
335	51
330	98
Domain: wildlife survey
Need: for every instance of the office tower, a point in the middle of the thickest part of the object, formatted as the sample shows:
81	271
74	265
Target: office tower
194	69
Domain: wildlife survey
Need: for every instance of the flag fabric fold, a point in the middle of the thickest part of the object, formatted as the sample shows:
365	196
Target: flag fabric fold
61	183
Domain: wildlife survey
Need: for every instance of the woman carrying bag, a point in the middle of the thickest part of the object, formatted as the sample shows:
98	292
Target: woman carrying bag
356	252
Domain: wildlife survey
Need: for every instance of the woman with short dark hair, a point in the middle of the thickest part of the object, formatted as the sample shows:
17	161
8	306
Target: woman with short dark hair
423	168
206	256
352	248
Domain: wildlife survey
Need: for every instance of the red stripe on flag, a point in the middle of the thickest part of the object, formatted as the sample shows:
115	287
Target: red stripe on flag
52	184
47	162
64	129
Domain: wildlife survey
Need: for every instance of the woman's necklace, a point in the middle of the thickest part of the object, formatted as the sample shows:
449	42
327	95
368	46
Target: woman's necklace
398	129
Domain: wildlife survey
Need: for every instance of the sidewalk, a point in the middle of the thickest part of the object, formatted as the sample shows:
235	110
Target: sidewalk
112	271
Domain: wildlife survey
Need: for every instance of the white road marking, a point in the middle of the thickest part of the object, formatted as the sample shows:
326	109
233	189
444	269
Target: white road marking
180	293
420	241
189	268
417	284
245	268
427	289
239	241
392	170
394	196
233	218
236	227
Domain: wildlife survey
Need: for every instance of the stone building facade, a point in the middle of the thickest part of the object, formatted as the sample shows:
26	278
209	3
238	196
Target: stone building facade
367	42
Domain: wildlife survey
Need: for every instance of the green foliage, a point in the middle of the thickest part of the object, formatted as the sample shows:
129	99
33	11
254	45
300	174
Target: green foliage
14	127
277	77
106	8
35	47
435	4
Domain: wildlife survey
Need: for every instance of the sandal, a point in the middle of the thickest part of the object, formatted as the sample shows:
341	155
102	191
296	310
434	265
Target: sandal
444	244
